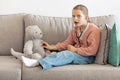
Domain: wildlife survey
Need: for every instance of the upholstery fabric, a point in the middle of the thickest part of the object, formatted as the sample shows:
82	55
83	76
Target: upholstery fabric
10	68
107	45
114	51
103	39
11	33
102	20
73	72
55	29
101	57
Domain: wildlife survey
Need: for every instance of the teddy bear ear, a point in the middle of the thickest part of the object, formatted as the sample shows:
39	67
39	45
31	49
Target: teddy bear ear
28	28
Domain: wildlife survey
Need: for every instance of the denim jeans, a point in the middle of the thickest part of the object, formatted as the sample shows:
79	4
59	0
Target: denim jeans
64	58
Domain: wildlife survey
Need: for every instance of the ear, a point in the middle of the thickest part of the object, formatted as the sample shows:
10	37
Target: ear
87	18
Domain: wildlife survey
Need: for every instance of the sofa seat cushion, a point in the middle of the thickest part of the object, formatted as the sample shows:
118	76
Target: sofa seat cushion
10	68
73	72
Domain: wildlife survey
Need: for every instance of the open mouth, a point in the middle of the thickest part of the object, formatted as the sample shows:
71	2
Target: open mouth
76	23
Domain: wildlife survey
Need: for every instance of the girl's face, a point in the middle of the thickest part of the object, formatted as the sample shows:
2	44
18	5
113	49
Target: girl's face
79	18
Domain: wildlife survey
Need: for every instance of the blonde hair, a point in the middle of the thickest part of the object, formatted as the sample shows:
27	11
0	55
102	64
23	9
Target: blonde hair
82	8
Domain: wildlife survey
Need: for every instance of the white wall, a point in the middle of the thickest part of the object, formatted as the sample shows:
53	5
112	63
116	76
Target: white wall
59	8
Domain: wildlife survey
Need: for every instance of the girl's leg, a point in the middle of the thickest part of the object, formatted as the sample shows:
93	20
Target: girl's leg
83	59
58	59
63	58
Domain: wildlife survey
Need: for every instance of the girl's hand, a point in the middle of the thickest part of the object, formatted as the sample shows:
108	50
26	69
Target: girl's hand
47	46
71	48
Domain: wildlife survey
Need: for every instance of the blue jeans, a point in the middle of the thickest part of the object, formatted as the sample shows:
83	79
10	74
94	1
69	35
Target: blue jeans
63	58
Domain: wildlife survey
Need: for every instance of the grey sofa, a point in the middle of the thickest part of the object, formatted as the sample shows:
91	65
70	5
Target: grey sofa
55	29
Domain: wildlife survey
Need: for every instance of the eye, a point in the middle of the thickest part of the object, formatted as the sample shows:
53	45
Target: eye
73	16
78	16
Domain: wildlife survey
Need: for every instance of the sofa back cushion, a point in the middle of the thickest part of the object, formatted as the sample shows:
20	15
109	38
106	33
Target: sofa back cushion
55	29
102	20
11	33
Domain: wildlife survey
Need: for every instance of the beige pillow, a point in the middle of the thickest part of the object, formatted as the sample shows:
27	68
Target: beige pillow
101	57
107	44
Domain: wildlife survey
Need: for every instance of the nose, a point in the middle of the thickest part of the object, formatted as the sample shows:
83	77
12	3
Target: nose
75	17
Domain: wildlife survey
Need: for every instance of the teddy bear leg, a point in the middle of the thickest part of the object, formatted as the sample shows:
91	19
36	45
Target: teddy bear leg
16	54
36	56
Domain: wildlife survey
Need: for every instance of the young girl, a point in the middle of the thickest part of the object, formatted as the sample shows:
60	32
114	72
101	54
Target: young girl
79	48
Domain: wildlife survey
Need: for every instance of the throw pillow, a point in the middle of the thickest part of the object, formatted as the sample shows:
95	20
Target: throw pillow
114	51
107	44
101	51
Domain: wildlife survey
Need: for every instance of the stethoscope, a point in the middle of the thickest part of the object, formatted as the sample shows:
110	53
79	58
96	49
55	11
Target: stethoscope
79	34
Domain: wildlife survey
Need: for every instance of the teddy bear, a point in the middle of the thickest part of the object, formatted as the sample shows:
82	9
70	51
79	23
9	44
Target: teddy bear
33	44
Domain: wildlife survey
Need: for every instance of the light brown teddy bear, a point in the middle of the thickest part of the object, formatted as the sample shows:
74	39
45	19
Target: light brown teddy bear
33	44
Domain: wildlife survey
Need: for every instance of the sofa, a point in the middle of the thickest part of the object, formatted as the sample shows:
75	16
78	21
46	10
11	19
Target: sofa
55	29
